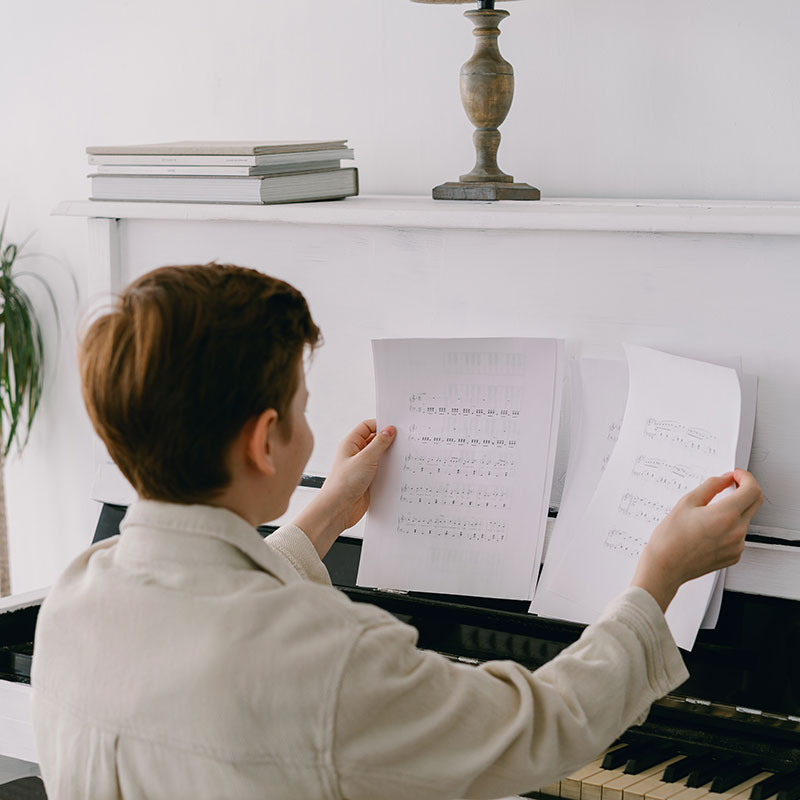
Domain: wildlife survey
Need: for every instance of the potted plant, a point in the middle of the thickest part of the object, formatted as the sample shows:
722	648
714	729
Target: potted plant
21	370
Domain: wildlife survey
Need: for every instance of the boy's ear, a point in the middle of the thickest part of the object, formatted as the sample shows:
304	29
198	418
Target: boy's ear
260	434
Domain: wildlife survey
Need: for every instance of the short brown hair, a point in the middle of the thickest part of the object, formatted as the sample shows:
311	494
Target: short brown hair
185	358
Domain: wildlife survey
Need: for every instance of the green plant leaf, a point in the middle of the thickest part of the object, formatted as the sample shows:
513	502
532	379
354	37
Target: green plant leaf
21	347
3	227
15	348
22	362
55	261
50	295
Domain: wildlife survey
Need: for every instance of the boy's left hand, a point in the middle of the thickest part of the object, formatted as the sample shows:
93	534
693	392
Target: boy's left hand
344	497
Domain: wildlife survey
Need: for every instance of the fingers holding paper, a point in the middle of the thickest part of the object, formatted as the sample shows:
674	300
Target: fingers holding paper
748	491
354	468
344	497
699	536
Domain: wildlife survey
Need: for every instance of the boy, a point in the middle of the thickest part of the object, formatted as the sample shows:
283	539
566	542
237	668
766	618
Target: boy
188	658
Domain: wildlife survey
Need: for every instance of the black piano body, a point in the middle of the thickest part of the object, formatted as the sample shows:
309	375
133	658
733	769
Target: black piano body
742	701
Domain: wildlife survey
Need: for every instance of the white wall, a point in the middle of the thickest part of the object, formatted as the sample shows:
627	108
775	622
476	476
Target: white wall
623	98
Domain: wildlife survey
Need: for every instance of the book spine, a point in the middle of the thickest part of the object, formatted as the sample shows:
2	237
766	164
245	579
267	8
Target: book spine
173	160
163	169
310	157
281	188
213	170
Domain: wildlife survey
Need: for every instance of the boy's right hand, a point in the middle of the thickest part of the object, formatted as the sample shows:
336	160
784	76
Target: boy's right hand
696	538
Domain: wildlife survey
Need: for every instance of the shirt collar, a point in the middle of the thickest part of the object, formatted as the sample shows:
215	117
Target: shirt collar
152	529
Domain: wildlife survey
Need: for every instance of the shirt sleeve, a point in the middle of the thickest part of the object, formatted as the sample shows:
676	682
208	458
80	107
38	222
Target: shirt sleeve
297	549
411	723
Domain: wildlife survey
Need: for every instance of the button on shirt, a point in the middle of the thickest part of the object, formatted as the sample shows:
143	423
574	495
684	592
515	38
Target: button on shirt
188	658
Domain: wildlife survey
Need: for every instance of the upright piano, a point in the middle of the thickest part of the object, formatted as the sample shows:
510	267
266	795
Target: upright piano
692	277
731	731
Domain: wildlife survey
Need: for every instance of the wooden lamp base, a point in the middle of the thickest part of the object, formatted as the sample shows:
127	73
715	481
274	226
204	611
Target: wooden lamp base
487	88
491	190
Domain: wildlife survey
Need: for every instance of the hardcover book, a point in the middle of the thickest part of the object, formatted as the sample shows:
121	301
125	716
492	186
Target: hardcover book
255	189
218	169
216	159
241	148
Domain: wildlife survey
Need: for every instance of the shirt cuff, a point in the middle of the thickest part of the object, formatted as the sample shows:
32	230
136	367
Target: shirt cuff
637	609
296	548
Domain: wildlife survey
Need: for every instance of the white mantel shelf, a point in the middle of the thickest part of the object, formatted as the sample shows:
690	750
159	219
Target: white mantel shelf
762	218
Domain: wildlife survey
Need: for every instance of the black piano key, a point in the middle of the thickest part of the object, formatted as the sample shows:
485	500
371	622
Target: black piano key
778	782
705	773
616	758
733	777
680	769
639	763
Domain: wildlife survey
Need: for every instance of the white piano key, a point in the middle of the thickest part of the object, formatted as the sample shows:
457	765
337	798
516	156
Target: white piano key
667	790
598	776
741	790
639	790
695	793
614	790
571	786
593	785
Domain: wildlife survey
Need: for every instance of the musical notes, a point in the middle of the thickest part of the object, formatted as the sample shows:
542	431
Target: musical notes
460	502
696	440
455	529
507	364
484	417
467	400
454	427
644	508
454	495
624	543
425	435
458	466
679	477
681	424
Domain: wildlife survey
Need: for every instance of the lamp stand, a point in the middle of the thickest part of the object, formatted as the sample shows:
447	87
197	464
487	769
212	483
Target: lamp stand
487	88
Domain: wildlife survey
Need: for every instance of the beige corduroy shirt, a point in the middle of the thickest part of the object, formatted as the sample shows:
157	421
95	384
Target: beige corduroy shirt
187	658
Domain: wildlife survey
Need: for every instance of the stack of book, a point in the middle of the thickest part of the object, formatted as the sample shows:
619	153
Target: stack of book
223	172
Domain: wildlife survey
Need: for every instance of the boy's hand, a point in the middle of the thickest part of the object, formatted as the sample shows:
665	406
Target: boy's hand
344	497
696	538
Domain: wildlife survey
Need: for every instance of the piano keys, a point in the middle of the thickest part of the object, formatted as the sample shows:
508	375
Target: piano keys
570	787
611	783
636	779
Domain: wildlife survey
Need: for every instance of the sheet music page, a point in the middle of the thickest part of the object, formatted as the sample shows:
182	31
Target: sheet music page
681	425
747	423
599	391
460	501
